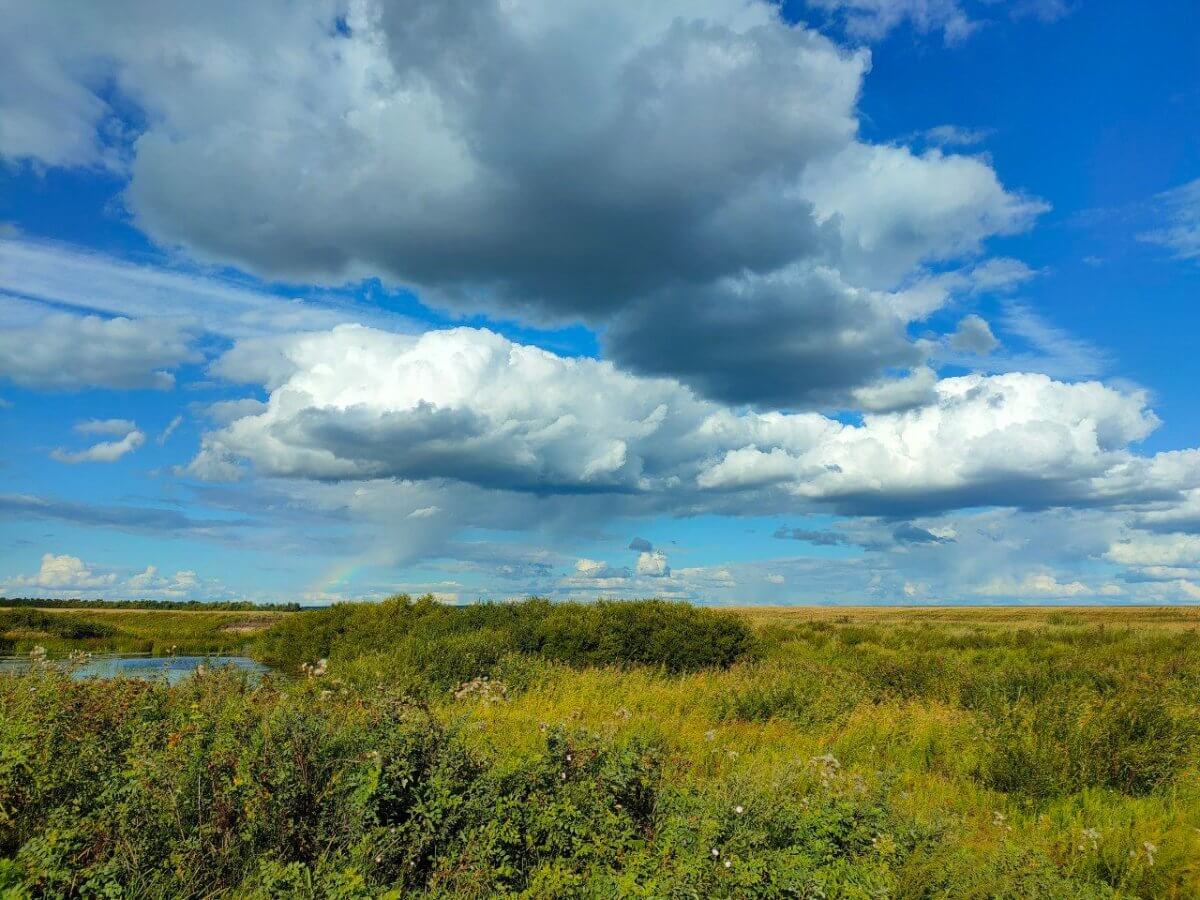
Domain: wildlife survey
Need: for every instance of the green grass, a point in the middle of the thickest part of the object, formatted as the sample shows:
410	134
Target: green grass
61	630
535	751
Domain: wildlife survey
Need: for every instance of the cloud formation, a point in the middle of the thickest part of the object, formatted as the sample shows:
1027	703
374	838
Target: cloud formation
538	159
1180	208
466	405
65	575
70	353
104	451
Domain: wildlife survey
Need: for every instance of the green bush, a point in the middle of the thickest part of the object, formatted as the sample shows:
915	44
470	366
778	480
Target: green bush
447	644
60	625
1130	740
216	787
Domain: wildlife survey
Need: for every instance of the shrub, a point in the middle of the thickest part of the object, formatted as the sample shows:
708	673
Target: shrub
1071	739
446	644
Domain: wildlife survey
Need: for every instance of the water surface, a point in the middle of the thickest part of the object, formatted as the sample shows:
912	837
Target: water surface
149	668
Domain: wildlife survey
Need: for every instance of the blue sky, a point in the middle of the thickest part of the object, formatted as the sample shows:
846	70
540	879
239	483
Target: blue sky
842	301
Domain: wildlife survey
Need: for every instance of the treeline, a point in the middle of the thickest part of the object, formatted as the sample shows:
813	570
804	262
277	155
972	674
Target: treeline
211	605
442	645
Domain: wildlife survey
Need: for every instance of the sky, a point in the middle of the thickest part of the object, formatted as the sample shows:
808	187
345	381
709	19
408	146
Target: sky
845	301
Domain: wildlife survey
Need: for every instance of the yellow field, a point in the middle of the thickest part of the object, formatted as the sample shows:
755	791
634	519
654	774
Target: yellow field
981	616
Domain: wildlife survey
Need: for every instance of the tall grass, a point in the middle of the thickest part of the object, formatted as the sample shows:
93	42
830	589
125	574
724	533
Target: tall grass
130	630
576	752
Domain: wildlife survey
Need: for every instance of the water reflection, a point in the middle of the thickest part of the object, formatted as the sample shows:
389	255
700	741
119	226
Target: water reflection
149	668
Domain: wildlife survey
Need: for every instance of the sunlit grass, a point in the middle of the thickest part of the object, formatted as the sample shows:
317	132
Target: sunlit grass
130	630
867	752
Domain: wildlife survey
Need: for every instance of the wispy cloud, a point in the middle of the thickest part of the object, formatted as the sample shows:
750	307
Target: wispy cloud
104	451
1179	209
135	519
60	277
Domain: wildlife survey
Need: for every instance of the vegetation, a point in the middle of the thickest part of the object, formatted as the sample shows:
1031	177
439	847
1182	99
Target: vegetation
130	630
427	643
638	750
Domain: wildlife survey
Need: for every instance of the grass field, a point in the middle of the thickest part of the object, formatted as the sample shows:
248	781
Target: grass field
978	616
159	632
543	752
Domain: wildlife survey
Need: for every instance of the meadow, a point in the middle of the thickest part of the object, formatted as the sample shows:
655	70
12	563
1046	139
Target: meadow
648	749
60	630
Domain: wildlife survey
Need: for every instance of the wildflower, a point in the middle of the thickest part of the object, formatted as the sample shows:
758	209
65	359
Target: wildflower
728	863
564	776
739	809
829	767
715	852
1090	835
1150	849
710	735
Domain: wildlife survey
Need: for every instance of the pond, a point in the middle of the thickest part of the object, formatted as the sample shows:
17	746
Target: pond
149	668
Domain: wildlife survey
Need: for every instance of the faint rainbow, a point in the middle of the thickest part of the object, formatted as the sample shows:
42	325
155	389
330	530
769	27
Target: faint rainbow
340	572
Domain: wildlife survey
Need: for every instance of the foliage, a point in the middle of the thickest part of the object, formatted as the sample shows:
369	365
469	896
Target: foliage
61	630
575	757
442	645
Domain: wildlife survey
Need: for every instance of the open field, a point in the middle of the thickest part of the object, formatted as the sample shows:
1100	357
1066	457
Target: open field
129	630
638	750
978	616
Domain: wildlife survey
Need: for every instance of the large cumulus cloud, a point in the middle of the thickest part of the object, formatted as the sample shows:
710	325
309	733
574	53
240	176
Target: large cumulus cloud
623	164
469	406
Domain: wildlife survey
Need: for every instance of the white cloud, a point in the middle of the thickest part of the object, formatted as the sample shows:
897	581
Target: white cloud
166	433
39	276
956	135
1150	550
871	20
470	406
1180	208
1042	585
542	160
1031	344
999	274
105	451
974	335
68	352
120	427
954	20
897	208
653	564
916	389
65	575
183	584
600	571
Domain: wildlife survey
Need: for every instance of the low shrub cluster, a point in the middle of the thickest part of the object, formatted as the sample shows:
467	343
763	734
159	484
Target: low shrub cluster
36	625
641	749
217	787
442	645
97	628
